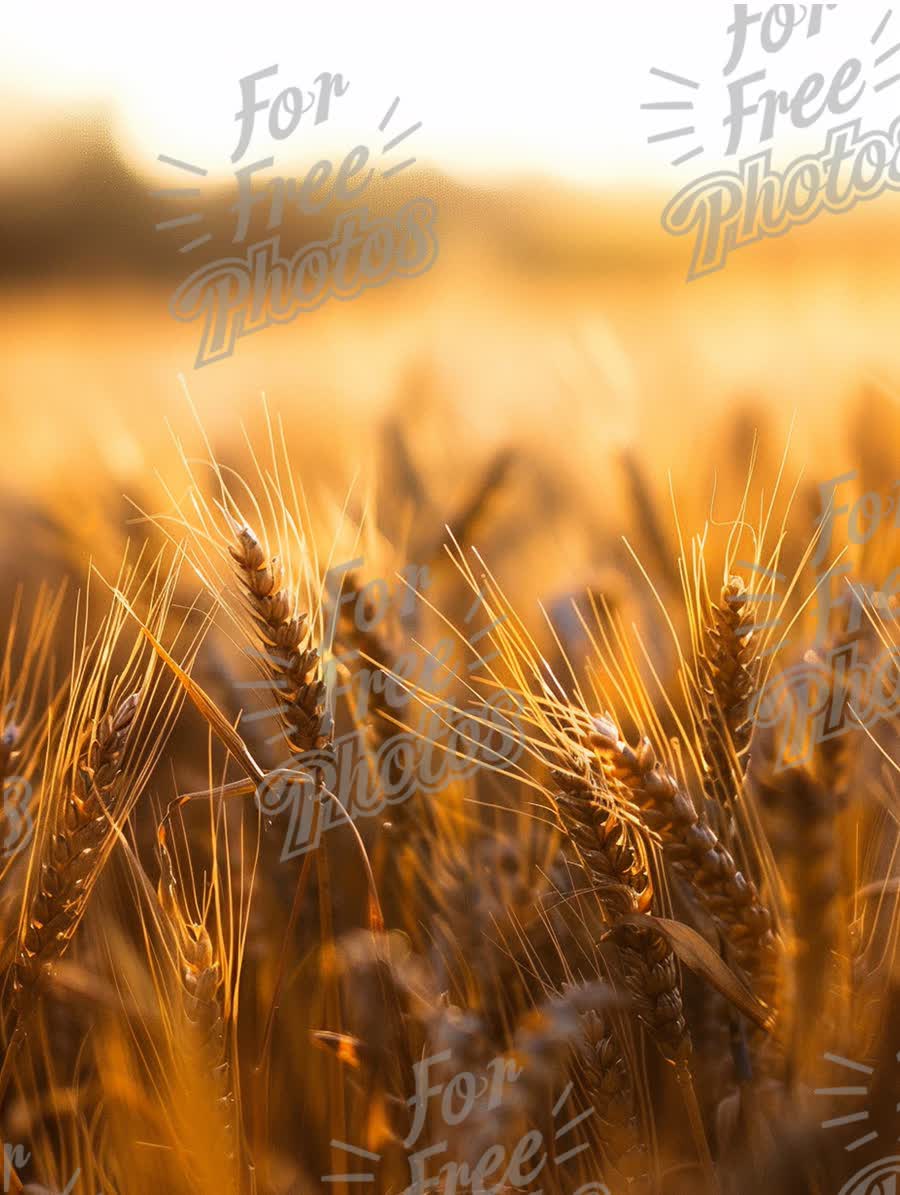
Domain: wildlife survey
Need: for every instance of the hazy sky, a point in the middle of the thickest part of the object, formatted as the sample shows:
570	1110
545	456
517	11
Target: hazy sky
499	87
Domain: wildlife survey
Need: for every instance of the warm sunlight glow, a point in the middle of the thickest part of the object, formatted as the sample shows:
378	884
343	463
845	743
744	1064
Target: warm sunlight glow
553	104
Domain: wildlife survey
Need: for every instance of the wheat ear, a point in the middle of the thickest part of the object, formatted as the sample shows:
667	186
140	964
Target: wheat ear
611	1092
729	659
290	656
200	988
80	829
696	854
624	887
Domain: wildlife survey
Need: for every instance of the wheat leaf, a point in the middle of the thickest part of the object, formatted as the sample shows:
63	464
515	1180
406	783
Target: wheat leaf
696	953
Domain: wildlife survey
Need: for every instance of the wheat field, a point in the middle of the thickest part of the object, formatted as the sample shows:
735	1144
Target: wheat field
431	757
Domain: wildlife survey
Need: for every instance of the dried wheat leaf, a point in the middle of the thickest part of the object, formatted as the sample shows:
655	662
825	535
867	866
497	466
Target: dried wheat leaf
696	953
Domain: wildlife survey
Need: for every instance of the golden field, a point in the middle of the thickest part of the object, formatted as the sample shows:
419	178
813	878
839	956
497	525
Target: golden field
638	906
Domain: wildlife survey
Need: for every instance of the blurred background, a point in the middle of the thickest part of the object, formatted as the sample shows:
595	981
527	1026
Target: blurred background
557	316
